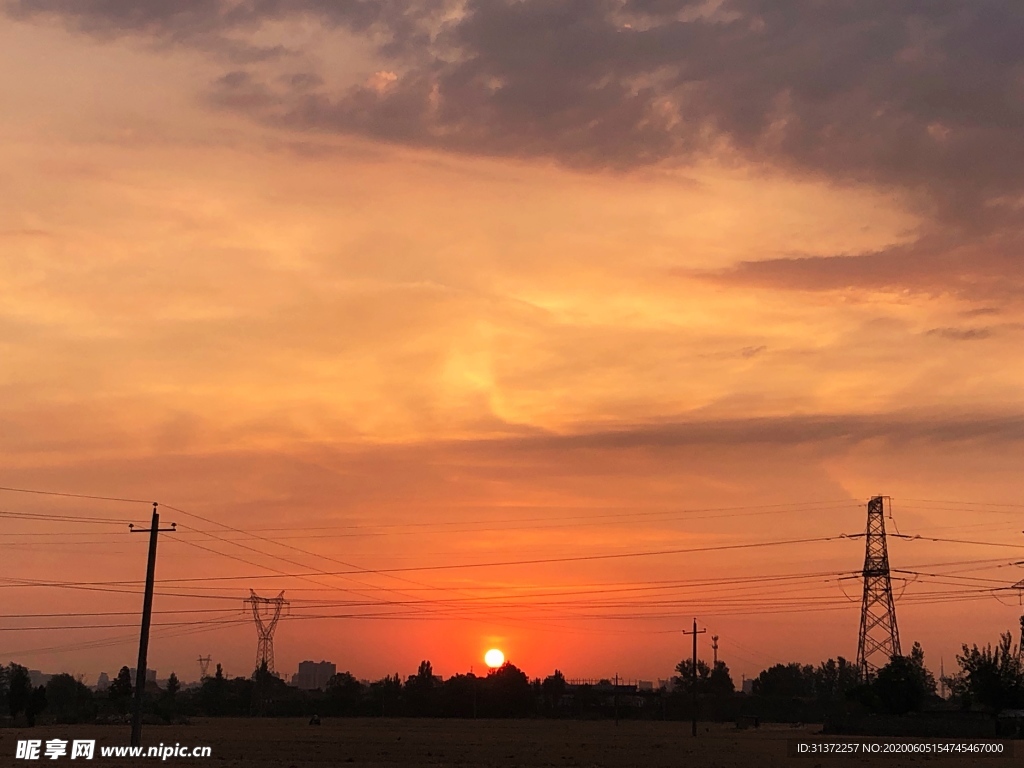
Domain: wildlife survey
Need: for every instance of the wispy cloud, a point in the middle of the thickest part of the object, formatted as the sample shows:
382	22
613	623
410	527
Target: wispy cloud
961	334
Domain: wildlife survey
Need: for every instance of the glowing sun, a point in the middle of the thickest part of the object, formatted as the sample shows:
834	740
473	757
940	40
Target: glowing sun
494	658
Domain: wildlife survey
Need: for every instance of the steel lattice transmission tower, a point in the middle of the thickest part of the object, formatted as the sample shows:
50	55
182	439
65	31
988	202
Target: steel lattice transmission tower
204	667
266	611
879	638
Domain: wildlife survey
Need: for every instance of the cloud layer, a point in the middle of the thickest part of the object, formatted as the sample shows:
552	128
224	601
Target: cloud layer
923	98
922	94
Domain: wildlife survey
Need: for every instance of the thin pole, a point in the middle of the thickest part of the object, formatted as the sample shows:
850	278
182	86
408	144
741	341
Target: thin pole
616	699
147	616
693	671
694	731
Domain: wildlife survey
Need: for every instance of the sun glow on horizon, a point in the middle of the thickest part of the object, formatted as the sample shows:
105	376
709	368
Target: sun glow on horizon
494	658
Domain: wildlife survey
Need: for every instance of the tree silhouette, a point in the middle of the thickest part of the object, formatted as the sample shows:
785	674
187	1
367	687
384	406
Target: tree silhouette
168	705
904	684
387	690
834	678
266	687
173	686
5	686
993	677
419	690
36	704
121	686
343	693
684	680
553	688
19	690
711	682
786	680
69	700
459	695
424	677
507	692
720	681
213	692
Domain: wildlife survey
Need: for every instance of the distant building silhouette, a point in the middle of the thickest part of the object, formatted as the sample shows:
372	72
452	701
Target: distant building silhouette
102	682
313	675
150	678
38	678
150	675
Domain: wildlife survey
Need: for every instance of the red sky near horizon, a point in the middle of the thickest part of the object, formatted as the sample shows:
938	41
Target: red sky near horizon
521	315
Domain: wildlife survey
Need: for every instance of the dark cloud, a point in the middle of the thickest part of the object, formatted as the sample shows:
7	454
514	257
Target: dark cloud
919	93
980	312
843	429
198	24
25	233
971	260
302	80
922	95
220	26
116	17
961	334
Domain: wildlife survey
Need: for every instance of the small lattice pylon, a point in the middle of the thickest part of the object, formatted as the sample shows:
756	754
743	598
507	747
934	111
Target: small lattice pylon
266	611
204	667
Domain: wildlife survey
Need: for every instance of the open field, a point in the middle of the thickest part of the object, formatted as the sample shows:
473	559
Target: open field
409	742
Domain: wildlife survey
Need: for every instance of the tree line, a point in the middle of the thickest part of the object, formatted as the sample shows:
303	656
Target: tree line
988	678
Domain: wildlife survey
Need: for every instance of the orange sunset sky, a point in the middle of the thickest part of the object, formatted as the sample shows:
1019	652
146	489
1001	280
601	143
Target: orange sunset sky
365	286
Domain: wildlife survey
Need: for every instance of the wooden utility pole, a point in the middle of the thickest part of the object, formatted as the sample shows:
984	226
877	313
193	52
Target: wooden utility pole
694	671
147	615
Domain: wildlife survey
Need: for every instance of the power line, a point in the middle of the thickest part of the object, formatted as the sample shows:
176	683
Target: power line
389	571
97	626
962	541
39	517
598	588
613	556
116	640
781	507
74	495
64	614
959	505
496	564
268	554
427	607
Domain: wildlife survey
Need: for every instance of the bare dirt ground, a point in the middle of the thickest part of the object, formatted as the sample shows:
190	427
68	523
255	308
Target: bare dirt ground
259	743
